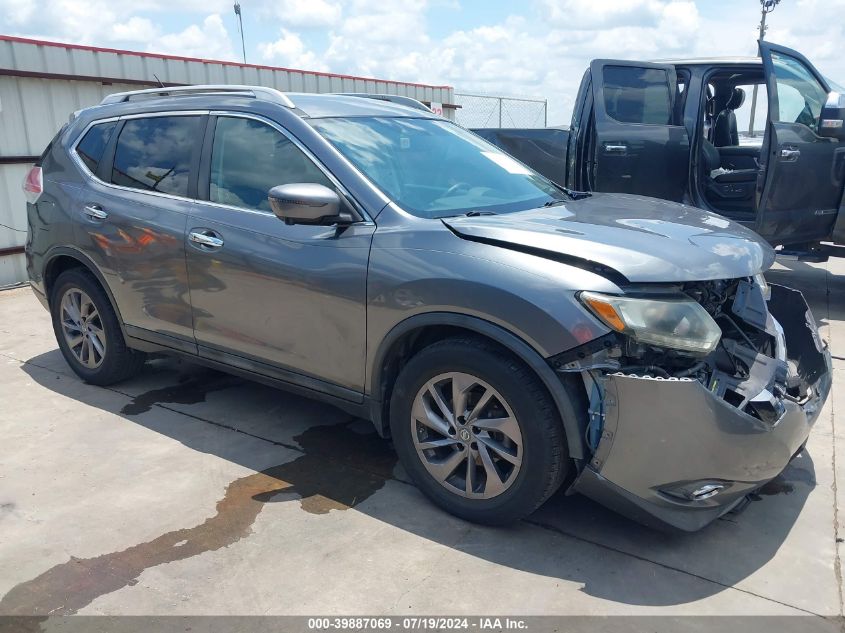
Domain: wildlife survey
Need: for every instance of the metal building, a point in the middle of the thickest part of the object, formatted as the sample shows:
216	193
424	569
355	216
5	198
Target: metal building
42	83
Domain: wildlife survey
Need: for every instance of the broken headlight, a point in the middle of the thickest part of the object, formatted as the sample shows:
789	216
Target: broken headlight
681	324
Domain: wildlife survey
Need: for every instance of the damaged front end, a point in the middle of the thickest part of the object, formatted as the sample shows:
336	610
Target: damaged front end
678	437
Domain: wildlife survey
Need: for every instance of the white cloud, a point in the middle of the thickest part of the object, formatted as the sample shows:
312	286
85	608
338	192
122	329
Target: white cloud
86	21
379	39
135	29
290	51
544	53
183	6
99	21
601	14
307	14
17	11
540	50
209	40
490	57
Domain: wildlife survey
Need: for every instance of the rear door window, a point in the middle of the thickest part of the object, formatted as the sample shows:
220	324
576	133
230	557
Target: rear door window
154	154
637	95
751	130
90	149
248	158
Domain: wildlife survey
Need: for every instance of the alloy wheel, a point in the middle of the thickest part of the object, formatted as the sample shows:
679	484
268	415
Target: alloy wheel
82	328
466	435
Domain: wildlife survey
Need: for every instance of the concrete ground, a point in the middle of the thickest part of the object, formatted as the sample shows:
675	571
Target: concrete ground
187	491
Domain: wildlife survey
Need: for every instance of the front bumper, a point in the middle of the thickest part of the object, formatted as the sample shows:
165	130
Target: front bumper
662	439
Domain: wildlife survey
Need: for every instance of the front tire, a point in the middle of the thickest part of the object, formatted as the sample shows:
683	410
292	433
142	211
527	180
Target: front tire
88	331
477	431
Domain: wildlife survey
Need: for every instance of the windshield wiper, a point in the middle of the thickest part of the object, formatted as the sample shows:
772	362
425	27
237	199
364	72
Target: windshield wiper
571	193
553	203
576	195
475	214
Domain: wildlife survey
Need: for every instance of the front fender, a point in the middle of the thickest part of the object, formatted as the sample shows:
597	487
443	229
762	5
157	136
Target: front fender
561	390
525	294
523	302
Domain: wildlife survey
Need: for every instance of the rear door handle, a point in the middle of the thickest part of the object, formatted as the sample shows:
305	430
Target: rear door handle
95	212
789	154
206	239
615	148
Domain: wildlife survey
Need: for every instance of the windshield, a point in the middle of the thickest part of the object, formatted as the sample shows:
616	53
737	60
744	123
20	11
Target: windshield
434	169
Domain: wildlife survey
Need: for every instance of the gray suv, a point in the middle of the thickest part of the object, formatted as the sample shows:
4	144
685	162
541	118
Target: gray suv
509	335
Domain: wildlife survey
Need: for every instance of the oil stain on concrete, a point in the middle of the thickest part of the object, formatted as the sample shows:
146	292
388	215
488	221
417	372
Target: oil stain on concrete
190	389
341	467
784	483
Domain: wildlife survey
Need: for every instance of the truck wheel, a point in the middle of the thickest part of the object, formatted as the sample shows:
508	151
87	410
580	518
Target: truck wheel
88	331
477	431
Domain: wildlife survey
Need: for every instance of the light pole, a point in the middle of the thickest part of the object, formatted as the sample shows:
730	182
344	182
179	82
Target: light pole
767	7
241	24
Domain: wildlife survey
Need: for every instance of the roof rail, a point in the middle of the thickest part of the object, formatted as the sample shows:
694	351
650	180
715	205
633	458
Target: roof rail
409	102
256	92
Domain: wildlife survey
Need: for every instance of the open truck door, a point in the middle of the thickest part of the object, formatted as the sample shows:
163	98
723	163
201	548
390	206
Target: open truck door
800	188
635	145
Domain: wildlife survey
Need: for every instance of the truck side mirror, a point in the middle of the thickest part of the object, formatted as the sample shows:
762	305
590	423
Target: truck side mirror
832	120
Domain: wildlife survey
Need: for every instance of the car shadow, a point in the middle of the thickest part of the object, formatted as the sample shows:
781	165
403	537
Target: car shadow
341	463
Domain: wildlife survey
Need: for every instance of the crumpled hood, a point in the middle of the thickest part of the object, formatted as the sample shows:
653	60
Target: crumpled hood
643	239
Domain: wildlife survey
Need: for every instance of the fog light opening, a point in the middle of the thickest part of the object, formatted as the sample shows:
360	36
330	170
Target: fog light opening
696	490
706	491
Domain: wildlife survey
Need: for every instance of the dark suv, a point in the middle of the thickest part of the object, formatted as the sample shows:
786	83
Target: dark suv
508	334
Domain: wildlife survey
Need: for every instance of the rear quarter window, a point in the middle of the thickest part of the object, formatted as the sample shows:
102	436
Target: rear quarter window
90	149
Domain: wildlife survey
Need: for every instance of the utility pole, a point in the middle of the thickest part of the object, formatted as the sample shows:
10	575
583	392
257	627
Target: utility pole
241	25
767	7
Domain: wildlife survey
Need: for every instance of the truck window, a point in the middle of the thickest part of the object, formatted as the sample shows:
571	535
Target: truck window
637	95
680	97
747	136
800	95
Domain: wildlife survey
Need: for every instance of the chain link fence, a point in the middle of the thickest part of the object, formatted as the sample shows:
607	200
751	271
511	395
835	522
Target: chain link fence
478	111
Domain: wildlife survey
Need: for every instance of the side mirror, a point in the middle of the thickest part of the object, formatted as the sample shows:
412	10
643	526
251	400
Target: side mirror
306	203
832	120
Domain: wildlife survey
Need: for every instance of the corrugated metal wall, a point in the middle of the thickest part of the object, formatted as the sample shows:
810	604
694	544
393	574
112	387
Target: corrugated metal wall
42	83
35	109
32	112
13	219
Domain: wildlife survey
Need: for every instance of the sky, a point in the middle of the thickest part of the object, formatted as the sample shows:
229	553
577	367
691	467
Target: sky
529	48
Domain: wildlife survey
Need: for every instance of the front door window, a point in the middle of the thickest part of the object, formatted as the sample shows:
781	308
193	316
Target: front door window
800	95
248	158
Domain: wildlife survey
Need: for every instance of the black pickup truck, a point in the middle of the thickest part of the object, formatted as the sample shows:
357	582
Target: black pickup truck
669	130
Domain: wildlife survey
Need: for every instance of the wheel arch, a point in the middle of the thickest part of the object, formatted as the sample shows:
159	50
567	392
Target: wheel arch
63	258
414	333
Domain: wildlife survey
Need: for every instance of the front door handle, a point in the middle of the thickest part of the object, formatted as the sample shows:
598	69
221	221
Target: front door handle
205	238
94	212
789	154
615	148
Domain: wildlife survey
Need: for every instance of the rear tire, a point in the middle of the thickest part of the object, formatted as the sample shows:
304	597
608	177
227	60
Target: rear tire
496	456
88	331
